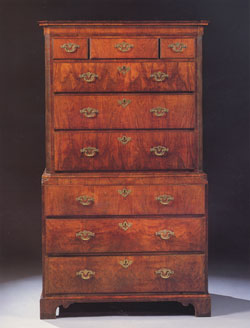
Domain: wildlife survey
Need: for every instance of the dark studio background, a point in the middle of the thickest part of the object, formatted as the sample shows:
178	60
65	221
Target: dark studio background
226	113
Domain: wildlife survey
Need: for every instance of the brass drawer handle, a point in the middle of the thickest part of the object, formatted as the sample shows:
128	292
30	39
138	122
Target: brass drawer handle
165	234
126	263
124	102
165	199
123	69
89	77
124	192
125	225
89	151
85	274
164	273
89	112
70	47
159	150
159	76
124	46
85	235
85	200
124	140
178	46
159	111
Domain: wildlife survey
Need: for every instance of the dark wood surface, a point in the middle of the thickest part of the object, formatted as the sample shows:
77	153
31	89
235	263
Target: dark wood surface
125	235
61	200
111	277
167	49
113	155
117	166
124	111
181	76
80	52
137	48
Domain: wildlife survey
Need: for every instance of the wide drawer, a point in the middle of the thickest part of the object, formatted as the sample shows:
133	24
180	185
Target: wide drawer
123	48
75	236
81	200
125	274
177	48
70	48
124	150
124	111
124	76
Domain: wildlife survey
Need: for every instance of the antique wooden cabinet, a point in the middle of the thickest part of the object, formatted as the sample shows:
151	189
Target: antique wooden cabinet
124	194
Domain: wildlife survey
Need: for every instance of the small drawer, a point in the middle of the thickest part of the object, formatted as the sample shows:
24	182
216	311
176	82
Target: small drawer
120	76
124	150
111	199
76	236
130	111
123	48
70	48
125	274
177	48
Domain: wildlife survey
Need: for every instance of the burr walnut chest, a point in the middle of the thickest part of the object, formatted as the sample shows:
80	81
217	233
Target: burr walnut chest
124	194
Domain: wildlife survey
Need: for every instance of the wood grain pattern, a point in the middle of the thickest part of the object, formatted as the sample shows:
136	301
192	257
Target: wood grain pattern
140	236
168	52
135	115
181	76
60	200
111	277
136	154
79	53
106	48
120	166
200	302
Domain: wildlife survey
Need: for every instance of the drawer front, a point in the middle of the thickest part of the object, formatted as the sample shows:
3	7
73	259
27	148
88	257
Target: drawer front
125	274
124	76
124	111
70	48
65	236
68	200
124	150
123	48
177	48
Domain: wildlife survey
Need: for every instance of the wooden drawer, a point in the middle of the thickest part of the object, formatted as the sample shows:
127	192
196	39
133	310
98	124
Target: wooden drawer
177	48
123	48
70	48
81	200
125	274
75	236
124	76
124	150
124	111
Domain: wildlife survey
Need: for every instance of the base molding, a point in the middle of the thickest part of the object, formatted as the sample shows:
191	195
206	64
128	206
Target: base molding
200	302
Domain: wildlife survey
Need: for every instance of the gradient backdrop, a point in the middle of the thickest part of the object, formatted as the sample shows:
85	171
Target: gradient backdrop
226	113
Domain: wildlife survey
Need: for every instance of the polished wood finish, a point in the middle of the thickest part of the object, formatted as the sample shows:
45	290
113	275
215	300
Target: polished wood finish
124	197
132	113
113	155
172	48
62	200
132	235
80	52
132	48
181	76
111	277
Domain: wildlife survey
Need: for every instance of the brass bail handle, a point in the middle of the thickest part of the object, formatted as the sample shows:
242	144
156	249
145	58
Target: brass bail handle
85	200
85	235
85	274
165	199
70	47
164	273
89	77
